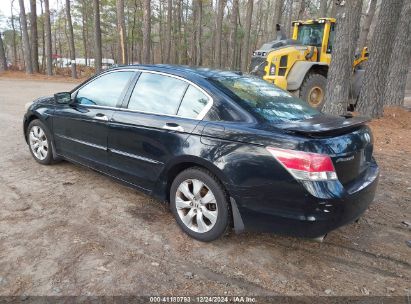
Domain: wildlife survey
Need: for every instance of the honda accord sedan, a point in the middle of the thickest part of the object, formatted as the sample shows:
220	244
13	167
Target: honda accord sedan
225	150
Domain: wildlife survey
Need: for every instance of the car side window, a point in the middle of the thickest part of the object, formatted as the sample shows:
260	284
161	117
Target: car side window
159	94
193	103
106	90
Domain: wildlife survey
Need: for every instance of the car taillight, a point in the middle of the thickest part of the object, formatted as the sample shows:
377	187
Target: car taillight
305	165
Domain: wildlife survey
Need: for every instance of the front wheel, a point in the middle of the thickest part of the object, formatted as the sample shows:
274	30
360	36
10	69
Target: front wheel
199	204
313	90
39	142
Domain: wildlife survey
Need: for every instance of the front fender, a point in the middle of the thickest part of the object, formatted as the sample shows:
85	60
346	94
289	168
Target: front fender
298	72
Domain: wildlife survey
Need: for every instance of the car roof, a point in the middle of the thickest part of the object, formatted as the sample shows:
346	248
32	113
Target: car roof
181	70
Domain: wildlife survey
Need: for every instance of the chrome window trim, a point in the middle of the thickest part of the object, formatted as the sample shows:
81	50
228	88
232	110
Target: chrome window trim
200	116
74	93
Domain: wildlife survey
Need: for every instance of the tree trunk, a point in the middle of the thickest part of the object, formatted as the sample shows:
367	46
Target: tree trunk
246	47
84	31
193	43
121	28
219	32
400	60
322	13
71	41
340	71
288	18
14	46
278	9
199	25
43	38
333	8
26	42
168	30
177	33
371	98
146	31
98	56
47	29
299	10
34	36
362	41
3	62
233	34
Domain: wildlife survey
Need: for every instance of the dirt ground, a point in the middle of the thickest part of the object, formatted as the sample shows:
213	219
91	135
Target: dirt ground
66	230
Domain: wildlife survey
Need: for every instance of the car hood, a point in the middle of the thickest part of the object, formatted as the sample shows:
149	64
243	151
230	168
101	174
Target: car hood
44	99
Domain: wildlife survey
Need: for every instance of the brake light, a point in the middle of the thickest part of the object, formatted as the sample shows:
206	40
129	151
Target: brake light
305	165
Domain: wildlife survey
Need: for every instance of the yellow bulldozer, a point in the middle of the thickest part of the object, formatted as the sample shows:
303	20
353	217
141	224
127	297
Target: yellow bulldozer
300	65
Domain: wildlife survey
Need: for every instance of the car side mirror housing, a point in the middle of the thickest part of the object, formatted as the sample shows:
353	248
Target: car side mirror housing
63	98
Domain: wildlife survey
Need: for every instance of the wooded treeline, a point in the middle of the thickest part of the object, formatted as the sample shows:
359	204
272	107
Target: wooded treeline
215	33
212	33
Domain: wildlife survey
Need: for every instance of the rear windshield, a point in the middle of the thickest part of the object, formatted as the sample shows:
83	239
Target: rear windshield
265	99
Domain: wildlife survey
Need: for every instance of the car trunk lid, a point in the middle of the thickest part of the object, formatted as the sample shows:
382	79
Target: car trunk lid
347	140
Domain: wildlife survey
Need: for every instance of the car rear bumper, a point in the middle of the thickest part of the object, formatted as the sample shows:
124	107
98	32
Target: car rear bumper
307	211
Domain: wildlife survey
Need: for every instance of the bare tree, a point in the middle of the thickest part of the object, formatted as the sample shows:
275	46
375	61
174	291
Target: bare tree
340	71
278	10
34	36
98	56
362	41
323	9
199	32
247	29
121	28
84	31
299	9
47	29
71	41
219	29
400	60
193	43
233	34
146	31
26	42
371	98
288	18
169	30
3	62
13	27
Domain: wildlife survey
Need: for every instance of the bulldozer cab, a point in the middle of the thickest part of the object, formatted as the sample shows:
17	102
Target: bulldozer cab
318	33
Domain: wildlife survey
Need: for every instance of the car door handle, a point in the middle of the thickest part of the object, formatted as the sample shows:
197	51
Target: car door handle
101	116
173	127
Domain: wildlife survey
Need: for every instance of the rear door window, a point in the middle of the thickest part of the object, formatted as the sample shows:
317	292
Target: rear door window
157	93
193	103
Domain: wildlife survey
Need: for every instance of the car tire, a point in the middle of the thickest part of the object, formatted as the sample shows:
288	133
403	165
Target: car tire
312	90
208	216
39	141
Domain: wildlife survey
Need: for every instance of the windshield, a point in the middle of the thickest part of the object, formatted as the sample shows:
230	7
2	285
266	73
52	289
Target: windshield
266	100
311	34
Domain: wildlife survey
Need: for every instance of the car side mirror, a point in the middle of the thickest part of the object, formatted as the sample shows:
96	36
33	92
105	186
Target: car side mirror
62	98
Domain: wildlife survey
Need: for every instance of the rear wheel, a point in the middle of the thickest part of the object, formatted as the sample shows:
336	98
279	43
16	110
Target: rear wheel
199	204
313	90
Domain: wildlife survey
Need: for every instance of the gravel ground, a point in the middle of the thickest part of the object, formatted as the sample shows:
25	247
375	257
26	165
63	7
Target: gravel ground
66	230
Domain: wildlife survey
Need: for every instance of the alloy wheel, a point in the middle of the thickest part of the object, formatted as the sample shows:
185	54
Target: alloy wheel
196	205
38	142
